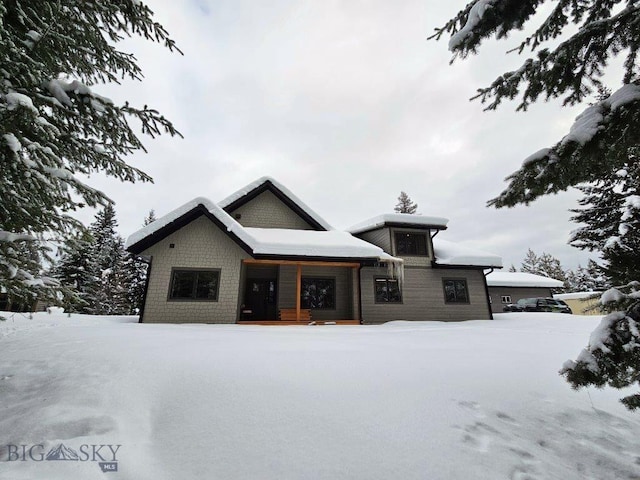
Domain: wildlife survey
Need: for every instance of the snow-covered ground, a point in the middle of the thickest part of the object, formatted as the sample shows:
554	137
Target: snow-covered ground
473	400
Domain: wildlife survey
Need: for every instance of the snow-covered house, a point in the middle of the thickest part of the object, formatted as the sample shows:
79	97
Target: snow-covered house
262	255
509	287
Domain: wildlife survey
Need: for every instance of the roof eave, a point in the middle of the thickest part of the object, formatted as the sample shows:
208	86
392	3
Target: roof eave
434	264
399	225
180	222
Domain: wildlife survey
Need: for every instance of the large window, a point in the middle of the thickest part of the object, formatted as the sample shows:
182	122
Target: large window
318	293
411	244
194	285
455	290
387	290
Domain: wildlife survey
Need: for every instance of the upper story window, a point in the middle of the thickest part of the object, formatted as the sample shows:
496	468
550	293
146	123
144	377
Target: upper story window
411	244
194	285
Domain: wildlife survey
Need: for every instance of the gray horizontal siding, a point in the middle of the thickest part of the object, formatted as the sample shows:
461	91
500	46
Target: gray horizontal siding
423	296
380	238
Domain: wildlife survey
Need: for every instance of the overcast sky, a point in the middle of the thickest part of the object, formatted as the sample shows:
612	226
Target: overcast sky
347	104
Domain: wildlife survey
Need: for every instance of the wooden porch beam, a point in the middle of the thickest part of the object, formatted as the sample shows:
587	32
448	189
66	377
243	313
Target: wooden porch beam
298	291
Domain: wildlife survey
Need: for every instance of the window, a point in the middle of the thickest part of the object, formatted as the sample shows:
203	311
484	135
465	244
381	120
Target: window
194	285
318	293
506	298
455	291
411	244
387	290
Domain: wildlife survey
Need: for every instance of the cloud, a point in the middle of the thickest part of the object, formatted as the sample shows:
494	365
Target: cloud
346	103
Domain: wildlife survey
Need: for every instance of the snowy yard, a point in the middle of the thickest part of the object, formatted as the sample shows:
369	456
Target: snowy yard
473	400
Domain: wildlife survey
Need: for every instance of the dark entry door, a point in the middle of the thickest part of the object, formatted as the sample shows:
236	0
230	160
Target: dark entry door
260	298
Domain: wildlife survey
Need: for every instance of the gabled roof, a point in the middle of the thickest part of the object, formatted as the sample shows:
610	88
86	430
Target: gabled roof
252	190
521	279
400	220
451	254
260	242
178	218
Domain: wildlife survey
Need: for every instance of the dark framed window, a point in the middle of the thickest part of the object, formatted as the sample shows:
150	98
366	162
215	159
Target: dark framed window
506	299
387	290
194	285
411	244
455	290
319	293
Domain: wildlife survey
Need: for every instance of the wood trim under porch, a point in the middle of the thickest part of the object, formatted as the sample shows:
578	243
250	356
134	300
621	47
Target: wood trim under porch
301	323
299	315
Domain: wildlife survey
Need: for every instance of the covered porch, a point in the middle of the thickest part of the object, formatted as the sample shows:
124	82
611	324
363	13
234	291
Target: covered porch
299	292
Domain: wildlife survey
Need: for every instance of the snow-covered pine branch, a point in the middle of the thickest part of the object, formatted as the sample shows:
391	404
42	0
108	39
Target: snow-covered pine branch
54	125
612	356
603	141
608	129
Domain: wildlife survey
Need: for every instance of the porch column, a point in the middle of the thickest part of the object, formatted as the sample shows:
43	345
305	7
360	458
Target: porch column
298	291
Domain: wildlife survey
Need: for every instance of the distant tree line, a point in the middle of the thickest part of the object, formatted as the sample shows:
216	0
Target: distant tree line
99	277
592	278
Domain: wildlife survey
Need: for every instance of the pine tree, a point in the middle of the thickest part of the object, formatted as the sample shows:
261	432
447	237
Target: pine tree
530	263
109	296
405	204
611	221
589	279
53	123
135	276
546	265
150	218
598	145
76	271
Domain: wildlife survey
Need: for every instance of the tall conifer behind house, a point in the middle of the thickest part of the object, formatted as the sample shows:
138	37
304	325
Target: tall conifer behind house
405	204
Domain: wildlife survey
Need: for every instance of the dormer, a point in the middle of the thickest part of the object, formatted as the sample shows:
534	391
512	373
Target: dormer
402	235
266	203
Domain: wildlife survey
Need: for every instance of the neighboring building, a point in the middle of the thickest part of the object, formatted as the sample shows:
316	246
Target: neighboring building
262	255
509	287
582	303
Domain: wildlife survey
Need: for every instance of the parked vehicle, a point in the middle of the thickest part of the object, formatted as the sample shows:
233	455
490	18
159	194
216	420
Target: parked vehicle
538	305
515	307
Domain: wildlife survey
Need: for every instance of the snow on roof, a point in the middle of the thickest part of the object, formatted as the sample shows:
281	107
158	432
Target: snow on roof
334	243
403	218
576	295
448	253
262	180
521	279
275	241
174	215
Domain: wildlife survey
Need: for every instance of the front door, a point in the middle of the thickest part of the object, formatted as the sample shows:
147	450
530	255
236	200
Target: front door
260	299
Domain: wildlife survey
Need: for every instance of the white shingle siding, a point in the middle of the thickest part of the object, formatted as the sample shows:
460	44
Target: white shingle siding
200	244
